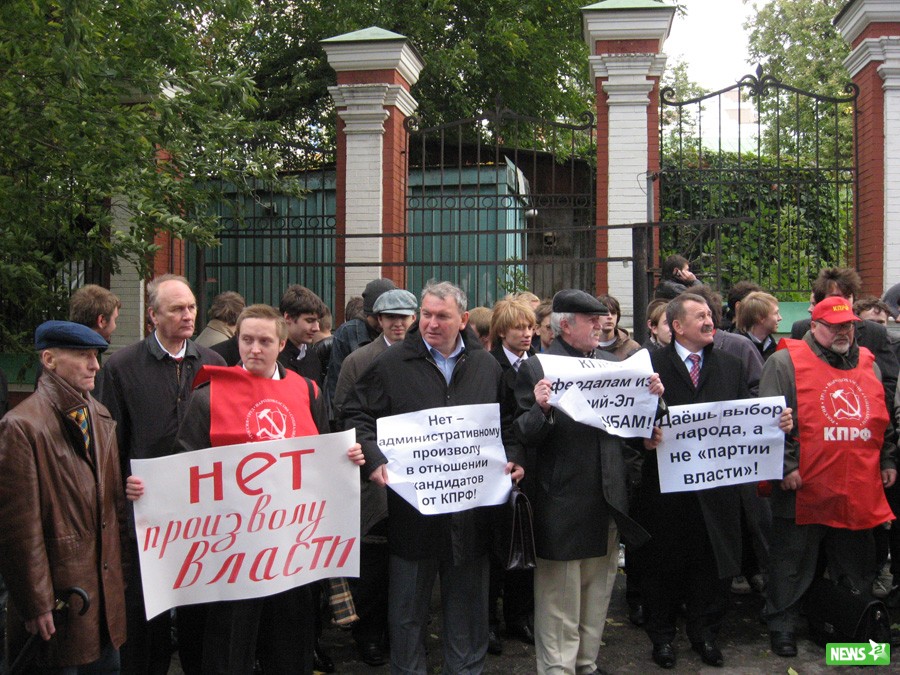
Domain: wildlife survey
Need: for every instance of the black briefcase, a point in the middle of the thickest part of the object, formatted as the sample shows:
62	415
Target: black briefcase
840	614
520	533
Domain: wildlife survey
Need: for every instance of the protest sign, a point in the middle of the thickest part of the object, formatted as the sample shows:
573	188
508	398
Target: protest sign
609	395
246	521
709	445
446	459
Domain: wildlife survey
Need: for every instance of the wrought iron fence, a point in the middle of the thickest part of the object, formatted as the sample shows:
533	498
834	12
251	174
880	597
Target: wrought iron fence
758	182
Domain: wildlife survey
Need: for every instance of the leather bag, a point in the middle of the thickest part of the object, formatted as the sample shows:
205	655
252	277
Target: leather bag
840	614
521	555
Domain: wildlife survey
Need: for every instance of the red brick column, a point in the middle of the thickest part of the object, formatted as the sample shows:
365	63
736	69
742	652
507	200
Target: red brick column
872	28
375	71
627	62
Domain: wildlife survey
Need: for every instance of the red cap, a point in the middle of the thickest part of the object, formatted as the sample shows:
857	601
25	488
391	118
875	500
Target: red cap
834	310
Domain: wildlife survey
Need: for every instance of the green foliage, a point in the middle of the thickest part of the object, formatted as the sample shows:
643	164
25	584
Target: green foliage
796	42
513	277
131	103
786	220
527	54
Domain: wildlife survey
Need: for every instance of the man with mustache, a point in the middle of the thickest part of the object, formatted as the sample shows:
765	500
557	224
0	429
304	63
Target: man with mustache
395	311
695	545
842	448
579	495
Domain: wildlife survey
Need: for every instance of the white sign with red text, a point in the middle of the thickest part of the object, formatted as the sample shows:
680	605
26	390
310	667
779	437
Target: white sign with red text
444	460
246	521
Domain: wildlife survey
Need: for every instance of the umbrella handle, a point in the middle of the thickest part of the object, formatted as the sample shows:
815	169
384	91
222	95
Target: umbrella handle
25	655
65	599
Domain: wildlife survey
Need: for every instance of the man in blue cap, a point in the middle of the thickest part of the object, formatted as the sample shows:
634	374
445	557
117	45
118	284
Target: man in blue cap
61	501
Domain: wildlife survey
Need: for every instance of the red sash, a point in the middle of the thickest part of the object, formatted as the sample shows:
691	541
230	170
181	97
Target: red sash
245	408
842	422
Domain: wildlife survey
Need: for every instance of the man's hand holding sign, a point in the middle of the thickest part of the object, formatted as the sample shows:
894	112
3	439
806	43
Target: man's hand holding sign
708	445
447	459
609	395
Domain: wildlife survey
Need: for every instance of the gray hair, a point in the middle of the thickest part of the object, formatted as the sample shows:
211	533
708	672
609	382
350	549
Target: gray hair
153	288
444	290
556	319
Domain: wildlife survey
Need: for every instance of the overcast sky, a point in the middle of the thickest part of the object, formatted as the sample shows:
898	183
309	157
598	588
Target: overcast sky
712	41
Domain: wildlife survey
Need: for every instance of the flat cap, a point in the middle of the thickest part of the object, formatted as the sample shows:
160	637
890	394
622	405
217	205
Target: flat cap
67	335
372	292
396	301
834	310
573	301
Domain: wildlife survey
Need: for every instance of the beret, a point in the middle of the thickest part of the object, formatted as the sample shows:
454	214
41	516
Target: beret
396	301
573	301
67	335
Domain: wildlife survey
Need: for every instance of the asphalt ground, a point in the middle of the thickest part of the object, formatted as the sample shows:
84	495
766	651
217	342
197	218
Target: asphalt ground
744	642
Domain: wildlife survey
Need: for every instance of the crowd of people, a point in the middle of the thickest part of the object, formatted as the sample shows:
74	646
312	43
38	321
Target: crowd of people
66	485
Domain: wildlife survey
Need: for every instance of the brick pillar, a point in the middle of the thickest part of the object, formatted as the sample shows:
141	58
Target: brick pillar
375	70
872	28
626	63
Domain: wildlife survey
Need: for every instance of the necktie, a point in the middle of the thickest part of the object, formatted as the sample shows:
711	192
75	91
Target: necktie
517	364
80	417
695	368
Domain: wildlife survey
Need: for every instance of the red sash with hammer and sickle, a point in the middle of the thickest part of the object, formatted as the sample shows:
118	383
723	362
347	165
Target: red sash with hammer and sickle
245	408
842	419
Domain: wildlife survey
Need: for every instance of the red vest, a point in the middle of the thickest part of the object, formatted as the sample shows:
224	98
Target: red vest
244	408
842	422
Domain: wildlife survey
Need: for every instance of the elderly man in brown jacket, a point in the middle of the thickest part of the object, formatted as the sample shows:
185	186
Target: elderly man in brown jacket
61	500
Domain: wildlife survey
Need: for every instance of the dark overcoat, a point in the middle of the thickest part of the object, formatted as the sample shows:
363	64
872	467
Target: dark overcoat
579	477
722	378
406	379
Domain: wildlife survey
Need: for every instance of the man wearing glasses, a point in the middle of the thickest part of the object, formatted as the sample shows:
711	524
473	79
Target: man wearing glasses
838	454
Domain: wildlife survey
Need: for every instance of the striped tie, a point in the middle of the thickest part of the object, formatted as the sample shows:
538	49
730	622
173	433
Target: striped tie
81	419
695	368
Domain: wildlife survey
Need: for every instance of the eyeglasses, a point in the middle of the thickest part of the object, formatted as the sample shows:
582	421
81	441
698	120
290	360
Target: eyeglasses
837	328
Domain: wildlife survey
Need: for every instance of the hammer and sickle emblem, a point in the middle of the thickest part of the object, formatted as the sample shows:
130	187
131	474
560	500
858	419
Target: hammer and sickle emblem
846	404
272	424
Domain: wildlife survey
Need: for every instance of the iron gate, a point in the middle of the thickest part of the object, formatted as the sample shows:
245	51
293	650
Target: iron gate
757	182
502	203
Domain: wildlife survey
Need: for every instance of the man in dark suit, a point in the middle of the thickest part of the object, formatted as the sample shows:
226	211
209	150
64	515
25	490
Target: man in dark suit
695	545
395	311
512	327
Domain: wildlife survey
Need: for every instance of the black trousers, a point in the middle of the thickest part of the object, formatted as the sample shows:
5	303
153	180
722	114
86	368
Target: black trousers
148	646
681	568
279	630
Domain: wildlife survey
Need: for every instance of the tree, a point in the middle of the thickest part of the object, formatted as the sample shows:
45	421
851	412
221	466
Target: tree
132	102
796	42
527	54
